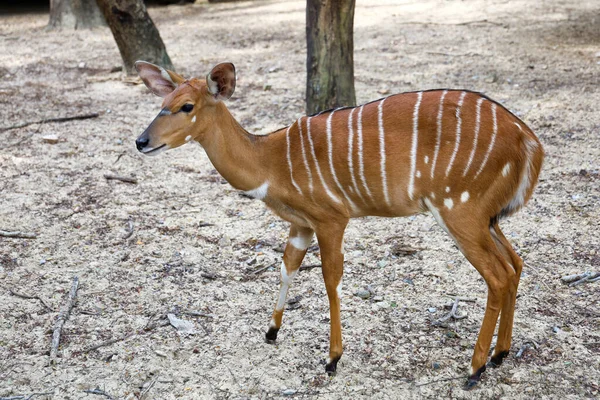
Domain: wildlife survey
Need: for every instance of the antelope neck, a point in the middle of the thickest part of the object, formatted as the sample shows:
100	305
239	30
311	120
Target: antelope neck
236	154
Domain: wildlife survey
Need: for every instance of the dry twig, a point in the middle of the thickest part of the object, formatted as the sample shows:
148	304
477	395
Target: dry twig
452	313
26	296
62	318
125	179
99	392
107	343
17	234
25	397
309	267
578	279
198	314
44	121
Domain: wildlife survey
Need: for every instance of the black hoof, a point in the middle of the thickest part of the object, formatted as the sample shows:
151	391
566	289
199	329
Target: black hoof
271	335
474	379
496	360
332	366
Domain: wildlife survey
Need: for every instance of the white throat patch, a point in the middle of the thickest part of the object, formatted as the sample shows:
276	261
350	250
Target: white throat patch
260	192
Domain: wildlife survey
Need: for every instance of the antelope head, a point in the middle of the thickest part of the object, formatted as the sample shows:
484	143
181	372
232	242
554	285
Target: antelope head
188	108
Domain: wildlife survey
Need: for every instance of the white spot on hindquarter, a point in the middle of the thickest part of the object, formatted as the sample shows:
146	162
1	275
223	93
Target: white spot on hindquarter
426	160
506	169
361	165
449	203
193	119
188	138
447	189
492	141
438	138
331	168
382	151
464	197
458	131
413	148
260	192
476	135
317	167
304	158
289	159
418	174
433	195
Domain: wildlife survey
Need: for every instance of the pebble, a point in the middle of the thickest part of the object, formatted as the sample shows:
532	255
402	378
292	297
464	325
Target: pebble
436	365
288	392
52	139
363	294
432	309
377	299
382	263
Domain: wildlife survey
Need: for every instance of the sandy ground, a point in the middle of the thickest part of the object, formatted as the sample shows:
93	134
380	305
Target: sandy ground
197	243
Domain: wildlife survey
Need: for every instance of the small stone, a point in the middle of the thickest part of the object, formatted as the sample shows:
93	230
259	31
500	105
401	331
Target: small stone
42	261
225	241
377	299
436	365
52	139
432	309
288	392
81	65
363	294
383	91
267	87
556	329
382	263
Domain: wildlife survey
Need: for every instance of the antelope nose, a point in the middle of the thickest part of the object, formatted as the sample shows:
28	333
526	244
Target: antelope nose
141	142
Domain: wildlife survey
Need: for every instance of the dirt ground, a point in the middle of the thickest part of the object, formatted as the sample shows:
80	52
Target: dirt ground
198	246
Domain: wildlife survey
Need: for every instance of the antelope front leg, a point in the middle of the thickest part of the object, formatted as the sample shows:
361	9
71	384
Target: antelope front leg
298	242
332	258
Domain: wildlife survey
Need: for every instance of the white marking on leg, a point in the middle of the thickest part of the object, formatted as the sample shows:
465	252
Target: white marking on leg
317	167
506	169
492	141
304	158
301	242
289	159
285	284
449	203
433	195
382	151
272	323
447	189
193	119
413	148
354	187
361	165
426	160
260	192
436	214
331	167
464	197
188	138
438	139
458	131
339	289
476	134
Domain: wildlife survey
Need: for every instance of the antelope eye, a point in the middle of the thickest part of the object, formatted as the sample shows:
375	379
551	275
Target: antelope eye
187	108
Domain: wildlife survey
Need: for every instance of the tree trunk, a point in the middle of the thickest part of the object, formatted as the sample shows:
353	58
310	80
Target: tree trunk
75	14
330	54
135	33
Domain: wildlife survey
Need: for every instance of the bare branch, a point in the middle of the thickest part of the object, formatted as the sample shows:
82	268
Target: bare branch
26	296
57	119
99	392
17	234
62	318
125	179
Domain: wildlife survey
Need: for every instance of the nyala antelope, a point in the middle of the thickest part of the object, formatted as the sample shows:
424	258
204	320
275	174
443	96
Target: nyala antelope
455	153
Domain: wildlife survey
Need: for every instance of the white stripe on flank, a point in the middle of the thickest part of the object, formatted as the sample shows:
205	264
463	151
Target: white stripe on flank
330	153
413	148
304	158
458	128
491	146
475	138
386	196
438	139
361	165
289	159
350	165
317	167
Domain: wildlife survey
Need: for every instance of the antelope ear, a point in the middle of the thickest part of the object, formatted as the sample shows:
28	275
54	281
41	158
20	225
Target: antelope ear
221	81
160	81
